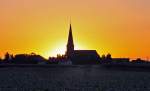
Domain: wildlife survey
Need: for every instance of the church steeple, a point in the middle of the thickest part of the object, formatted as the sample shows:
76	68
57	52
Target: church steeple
70	37
70	44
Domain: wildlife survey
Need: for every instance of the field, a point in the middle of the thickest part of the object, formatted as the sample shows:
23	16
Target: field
72	78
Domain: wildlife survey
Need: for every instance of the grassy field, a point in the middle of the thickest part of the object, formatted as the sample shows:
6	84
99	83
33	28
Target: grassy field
72	78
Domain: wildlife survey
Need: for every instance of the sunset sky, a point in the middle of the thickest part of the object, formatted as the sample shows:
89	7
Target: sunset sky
119	27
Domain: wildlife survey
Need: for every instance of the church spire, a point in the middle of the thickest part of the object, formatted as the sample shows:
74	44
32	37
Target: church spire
70	37
70	44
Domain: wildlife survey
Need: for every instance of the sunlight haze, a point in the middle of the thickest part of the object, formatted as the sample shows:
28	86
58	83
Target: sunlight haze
119	27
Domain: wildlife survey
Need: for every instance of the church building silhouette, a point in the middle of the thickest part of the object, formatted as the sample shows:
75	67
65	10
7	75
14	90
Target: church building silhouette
80	56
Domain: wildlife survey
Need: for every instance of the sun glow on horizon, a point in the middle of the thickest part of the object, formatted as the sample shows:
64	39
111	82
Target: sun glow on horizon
60	48
119	27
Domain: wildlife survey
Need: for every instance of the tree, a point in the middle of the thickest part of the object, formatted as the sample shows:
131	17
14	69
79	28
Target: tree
103	57
108	56
7	57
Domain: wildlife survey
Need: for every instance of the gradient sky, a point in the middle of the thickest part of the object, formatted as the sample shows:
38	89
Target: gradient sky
119	27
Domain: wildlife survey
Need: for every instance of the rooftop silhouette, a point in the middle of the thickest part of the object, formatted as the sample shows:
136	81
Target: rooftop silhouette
72	56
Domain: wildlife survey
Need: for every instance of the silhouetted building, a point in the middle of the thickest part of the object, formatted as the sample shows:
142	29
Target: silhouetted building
121	60
139	60
80	56
28	59
70	44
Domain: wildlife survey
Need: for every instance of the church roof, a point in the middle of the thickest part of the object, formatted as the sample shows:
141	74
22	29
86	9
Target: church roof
85	57
85	52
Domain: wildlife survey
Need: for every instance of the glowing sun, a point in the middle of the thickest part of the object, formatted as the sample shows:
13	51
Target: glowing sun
61	49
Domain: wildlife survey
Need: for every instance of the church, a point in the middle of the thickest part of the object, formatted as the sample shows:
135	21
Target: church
80	56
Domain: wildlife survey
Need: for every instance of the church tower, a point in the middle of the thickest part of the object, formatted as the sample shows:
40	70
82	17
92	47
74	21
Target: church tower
70	44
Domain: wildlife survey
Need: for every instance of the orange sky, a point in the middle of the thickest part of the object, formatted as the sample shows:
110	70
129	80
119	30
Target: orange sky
119	27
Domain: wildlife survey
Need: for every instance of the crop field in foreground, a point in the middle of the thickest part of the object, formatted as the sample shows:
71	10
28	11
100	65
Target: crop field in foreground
72	78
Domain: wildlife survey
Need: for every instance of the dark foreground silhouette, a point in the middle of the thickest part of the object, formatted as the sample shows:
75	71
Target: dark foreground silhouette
72	78
34	60
32	72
